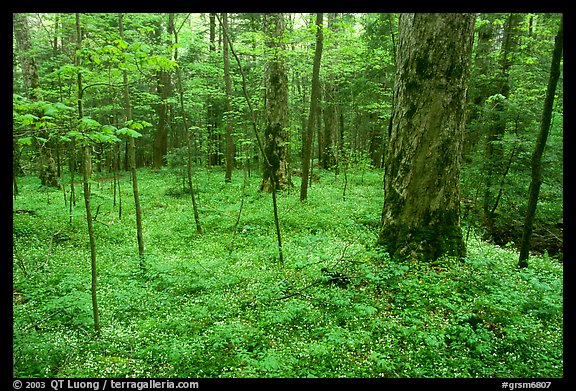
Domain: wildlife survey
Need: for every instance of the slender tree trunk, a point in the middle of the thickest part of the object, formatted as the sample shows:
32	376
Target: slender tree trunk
275	167
160	146
187	130
15	165
87	170
132	160
214	155
315	97
228	82
328	143
534	189
260	146
420	216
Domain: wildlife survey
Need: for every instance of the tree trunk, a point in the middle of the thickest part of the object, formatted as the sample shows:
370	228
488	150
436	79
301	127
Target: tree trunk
275	165
87	171
47	169
481	85
132	160
420	216
329	140
494	152
534	189
187	130
228	82
214	155
160	147
314	98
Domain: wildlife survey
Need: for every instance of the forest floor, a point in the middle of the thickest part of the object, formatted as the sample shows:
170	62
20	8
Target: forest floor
219	304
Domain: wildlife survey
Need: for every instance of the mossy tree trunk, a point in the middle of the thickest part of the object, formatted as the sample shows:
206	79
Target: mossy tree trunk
420	216
275	165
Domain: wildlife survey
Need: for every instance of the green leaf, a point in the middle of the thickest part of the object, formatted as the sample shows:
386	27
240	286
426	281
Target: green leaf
28	119
120	43
128	132
137	125
89	123
75	134
25	141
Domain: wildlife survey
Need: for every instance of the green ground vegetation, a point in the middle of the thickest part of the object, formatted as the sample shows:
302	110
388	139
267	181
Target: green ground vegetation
219	304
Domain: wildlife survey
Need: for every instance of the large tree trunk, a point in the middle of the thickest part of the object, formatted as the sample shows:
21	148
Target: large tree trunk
275	165
420	216
534	189
314	98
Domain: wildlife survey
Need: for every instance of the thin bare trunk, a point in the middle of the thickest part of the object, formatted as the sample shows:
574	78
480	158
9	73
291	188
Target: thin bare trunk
534	189
260	146
132	160
87	170
228	82
187	130
315	96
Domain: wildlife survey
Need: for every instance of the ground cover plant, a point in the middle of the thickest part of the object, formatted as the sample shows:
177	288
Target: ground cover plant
219	303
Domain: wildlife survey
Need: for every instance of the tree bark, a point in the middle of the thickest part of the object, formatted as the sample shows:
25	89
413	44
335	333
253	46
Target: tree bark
160	147
328	140
47	167
314	98
87	170
228	83
420	216
275	166
187	130
132	159
214	154
494	152
481	85
534	189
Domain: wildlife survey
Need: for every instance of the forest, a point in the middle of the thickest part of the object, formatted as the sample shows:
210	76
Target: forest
287	195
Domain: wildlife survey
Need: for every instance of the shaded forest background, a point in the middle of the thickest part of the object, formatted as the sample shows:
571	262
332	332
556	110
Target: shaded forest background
168	55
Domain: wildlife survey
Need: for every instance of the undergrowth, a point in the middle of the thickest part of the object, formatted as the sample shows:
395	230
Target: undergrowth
219	304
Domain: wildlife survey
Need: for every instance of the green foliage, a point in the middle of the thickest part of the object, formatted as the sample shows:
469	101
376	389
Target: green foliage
212	305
